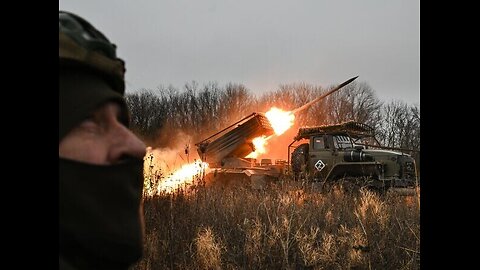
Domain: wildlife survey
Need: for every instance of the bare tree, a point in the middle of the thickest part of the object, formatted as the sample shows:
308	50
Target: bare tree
400	125
158	116
235	102
147	113
357	101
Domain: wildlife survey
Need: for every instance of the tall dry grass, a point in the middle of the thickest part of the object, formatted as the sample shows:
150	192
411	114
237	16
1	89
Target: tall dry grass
285	226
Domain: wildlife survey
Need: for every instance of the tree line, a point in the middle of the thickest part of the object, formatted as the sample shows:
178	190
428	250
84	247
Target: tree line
159	115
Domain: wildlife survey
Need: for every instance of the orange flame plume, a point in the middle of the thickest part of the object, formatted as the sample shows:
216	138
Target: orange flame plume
183	176
280	121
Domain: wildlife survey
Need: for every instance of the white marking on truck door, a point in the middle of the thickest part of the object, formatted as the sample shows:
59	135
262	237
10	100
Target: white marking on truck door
319	165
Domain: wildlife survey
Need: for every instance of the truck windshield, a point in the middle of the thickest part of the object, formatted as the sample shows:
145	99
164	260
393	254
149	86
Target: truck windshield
342	142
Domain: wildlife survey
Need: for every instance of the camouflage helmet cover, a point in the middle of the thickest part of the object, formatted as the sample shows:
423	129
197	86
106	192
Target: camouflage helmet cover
81	44
90	72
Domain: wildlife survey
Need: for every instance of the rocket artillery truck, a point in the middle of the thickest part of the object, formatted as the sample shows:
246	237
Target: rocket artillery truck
345	152
349	152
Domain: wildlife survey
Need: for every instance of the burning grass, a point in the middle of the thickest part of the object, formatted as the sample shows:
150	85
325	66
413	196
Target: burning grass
282	227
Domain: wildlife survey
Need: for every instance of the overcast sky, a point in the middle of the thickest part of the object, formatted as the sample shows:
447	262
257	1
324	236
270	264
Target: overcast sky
263	43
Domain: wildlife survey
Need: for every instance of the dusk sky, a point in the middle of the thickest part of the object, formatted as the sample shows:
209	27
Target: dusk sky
264	43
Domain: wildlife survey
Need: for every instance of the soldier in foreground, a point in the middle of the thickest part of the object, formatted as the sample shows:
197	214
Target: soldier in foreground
101	223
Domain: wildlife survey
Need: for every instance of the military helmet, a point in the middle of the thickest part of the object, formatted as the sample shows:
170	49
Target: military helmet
82	45
90	72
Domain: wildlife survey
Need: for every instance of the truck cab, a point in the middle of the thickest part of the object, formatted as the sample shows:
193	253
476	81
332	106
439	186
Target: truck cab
350	151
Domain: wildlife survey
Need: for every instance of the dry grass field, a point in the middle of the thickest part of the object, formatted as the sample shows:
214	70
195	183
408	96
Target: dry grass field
285	226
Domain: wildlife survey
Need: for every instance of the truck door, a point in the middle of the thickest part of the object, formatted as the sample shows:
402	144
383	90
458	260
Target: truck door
321	155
